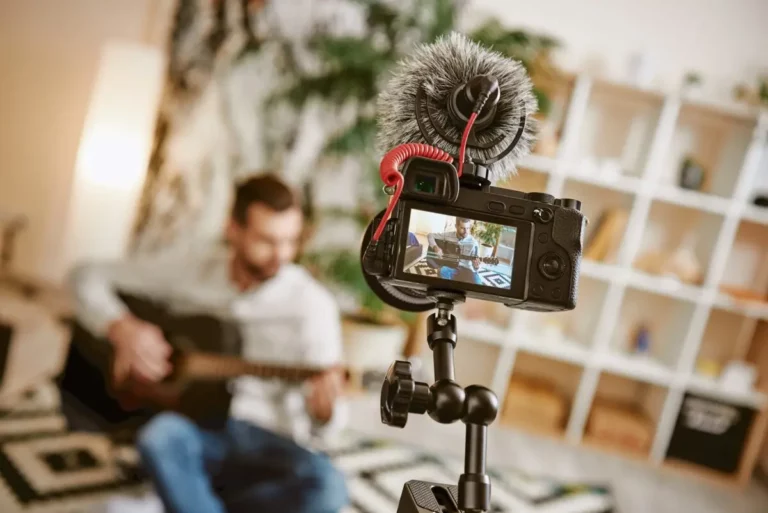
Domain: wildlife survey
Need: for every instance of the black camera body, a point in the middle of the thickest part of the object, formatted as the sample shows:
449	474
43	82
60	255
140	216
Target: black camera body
520	249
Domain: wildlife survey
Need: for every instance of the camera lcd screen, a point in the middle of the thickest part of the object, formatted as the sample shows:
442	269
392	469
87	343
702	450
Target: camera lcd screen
460	249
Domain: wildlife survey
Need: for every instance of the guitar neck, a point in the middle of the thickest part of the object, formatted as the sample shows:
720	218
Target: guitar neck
207	366
446	256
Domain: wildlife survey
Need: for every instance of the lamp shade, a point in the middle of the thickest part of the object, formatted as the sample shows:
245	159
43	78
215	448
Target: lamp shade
114	151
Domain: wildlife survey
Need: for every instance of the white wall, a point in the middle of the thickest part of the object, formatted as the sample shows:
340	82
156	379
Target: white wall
429	222
725	40
49	52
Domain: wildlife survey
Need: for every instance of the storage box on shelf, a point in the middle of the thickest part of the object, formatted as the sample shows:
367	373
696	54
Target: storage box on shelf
540	394
718	430
624	414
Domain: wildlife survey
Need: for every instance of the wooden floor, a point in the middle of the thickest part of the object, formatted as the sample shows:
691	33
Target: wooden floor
638	487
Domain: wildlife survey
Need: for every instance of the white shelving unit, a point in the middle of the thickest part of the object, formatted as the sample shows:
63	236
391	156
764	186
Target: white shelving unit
653	133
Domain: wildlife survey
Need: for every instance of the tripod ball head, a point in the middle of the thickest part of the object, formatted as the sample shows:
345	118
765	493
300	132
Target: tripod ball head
447	401
481	405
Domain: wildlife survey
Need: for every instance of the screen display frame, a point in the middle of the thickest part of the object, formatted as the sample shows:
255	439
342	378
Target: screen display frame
519	279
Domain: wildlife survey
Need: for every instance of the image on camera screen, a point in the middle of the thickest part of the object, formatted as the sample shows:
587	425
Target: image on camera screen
460	249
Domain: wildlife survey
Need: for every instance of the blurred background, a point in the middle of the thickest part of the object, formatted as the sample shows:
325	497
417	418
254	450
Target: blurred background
124	124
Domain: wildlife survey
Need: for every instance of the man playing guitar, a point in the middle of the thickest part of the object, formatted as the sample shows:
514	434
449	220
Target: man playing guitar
457	244
260	460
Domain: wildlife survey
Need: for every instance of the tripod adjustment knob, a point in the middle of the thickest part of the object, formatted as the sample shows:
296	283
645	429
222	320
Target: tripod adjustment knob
401	395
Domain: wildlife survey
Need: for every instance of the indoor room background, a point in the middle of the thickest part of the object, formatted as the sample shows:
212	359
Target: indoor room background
125	123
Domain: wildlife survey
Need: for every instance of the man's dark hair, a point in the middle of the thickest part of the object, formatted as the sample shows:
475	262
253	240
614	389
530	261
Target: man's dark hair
462	220
266	188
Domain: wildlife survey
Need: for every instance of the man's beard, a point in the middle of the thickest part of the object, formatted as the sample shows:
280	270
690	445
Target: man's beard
258	272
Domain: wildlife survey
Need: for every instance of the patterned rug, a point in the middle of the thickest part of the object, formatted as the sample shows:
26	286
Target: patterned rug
46	469
490	277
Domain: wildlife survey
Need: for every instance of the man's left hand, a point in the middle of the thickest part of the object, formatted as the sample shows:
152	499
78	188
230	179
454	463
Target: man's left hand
324	389
476	263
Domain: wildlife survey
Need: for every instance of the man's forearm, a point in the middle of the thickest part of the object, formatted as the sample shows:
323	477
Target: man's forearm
432	241
98	306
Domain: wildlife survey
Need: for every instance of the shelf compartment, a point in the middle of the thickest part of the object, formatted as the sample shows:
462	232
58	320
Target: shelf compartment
608	211
540	394
745	277
580	323
667	321
618	129
559	91
609	180
756	215
727	337
717	142
624	415
528	179
678	241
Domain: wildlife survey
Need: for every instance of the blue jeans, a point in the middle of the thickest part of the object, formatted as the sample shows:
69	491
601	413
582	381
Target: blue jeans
460	274
242	468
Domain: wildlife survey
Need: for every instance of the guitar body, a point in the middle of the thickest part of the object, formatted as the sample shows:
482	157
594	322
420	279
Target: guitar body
87	384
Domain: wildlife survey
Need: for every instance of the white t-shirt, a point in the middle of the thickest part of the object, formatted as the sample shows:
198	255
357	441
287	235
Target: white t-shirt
290	319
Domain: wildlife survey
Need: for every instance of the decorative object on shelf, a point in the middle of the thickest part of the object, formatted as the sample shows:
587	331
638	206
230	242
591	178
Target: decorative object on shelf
604	242
681	264
708	367
692	82
641	342
692	175
621	426
738	377
752	95
710	433
534	404
744	295
684	263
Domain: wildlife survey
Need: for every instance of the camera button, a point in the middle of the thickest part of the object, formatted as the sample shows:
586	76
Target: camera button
543	238
496	206
551	266
517	210
543	215
556	293
537	290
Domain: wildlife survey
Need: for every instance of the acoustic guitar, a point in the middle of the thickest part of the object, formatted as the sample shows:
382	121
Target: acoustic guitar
205	357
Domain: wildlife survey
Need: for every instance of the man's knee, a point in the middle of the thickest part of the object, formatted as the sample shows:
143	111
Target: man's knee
325	485
165	435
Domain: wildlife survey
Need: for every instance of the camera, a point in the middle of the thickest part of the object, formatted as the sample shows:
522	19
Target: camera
465	235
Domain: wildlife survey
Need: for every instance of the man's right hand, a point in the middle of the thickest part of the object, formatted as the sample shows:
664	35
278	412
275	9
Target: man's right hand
141	350
438	251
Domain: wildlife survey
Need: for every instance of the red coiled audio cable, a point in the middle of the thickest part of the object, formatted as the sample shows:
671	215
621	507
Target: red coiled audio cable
391	175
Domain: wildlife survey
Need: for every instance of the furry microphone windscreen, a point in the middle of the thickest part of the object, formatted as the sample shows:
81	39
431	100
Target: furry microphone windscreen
439	68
